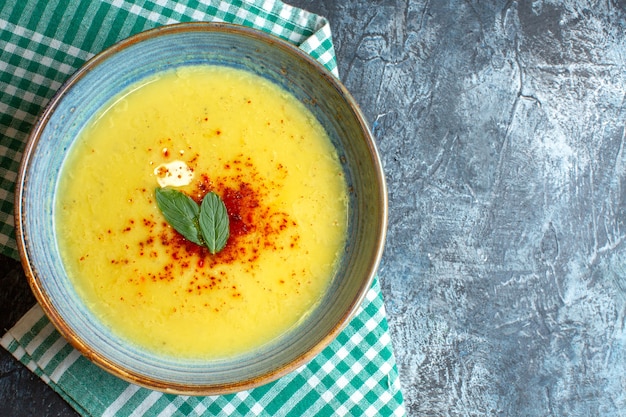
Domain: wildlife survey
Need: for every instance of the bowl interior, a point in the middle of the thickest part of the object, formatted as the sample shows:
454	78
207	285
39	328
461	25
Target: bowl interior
145	55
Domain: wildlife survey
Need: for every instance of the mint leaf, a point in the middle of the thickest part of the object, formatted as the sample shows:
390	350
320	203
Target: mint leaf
181	212
205	225
213	221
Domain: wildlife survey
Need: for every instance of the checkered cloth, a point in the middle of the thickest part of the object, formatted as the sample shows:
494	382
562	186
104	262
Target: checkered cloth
43	43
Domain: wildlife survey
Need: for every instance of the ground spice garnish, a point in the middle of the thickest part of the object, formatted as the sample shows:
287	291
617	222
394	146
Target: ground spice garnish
253	226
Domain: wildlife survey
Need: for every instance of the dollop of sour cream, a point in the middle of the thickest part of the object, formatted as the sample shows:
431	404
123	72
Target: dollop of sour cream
175	174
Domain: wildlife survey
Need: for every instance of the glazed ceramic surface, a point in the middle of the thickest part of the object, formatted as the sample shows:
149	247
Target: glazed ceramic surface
145	55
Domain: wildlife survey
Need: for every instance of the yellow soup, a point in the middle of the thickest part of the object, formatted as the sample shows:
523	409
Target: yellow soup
201	129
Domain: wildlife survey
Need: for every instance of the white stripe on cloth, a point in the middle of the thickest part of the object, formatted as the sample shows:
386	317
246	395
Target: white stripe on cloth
40	338
172	407
120	401
49	354
64	366
146	404
25	324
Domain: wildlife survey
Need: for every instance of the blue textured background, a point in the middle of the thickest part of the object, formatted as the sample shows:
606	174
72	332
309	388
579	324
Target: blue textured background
501	126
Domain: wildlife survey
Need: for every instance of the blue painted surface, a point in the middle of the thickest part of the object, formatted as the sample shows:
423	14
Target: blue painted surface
501	128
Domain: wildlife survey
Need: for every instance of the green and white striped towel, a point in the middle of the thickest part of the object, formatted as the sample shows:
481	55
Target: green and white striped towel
43	43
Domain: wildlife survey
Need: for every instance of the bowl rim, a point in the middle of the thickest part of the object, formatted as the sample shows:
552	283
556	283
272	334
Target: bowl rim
71	335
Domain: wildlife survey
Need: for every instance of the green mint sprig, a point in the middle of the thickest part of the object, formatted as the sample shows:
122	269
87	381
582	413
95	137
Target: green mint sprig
205	225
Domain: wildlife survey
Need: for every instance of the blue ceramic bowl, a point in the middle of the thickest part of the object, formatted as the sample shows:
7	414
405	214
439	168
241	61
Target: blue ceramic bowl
112	71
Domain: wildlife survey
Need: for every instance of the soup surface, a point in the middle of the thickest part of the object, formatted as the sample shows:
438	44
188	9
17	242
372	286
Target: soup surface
200	129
